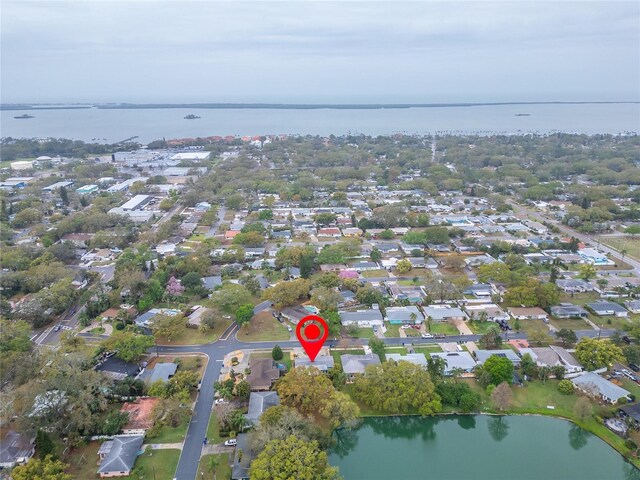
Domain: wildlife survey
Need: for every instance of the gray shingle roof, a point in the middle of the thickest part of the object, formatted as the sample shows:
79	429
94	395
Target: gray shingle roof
122	454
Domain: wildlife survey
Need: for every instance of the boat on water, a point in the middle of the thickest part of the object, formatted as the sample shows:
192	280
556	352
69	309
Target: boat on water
191	116
24	115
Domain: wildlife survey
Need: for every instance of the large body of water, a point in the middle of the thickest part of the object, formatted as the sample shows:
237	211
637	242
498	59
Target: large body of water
476	448
153	124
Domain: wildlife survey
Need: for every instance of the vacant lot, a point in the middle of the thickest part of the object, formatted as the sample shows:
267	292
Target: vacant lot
263	327
193	336
631	245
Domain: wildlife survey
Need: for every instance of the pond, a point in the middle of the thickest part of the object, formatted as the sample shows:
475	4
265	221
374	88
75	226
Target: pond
460	447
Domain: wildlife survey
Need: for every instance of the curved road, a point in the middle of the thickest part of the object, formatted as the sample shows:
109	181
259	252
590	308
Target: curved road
216	351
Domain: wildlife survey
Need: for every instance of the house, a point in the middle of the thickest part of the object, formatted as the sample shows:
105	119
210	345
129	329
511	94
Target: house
443	313
362	318
404	315
553	356
456	360
210	283
295	314
574	285
402	292
162	371
594	385
322	362
480	290
329	232
243	456
631	411
194	320
490	311
594	257
263	374
633	306
365	266
348	298
528	313
568	310
146	319
258	403
483	355
354	365
415	358
16	449
117	456
605	308
140	415
116	368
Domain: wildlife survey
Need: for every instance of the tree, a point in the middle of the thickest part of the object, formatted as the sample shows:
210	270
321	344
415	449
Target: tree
129	345
539	338
325	218
325	298
377	346
287	293
114	422
191	280
491	338
312	393
212	464
266	214
41	469
244	314
292	458
582	409
567	336
500	369
64	196
502	396
587	271
529	366
397	388
243	390
44	444
168	326
403	266
558	371
174	289
276	353
594	353
565	387
436	367
376	254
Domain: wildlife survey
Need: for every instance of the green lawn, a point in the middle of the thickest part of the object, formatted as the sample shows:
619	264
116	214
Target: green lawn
97	330
632	246
222	472
400	350
428	350
159	465
613	322
570	323
192	336
375	273
480	328
363	332
82	461
213	430
393	331
530	326
170	434
263	327
579	298
443	327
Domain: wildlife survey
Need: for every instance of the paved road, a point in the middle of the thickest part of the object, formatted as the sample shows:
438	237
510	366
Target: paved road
214	228
540	217
197	430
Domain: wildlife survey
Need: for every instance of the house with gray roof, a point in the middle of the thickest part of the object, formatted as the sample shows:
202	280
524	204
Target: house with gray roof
574	285
483	355
444	313
553	356
604	308
322	362
162	371
354	365
117	456
258	403
456	360
16	448
568	310
211	282
415	358
594	385
633	306
243	456
362	318
404	315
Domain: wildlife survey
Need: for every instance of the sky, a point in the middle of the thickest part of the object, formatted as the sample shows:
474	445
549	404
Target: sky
344	52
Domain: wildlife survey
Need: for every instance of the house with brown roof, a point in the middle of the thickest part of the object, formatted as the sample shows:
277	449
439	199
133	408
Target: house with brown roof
140	415
263	374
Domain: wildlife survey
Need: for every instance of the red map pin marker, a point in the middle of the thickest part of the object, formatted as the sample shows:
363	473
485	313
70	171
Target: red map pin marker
312	331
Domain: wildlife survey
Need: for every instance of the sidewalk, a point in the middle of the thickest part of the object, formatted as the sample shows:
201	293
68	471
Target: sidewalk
163	446
215	448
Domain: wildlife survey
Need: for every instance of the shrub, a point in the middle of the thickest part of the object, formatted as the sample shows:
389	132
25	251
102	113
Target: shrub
119	326
565	387
623	400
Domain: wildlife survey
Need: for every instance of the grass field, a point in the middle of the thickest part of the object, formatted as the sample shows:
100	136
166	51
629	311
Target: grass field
213	430
570	323
83	461
427	350
393	331
631	245
192	336
170	434
375	273
222	471
443	327
362	332
160	465
480	327
263	327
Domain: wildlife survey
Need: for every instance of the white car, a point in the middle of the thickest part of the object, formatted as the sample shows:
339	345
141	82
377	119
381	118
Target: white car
231	442
427	335
289	328
220	401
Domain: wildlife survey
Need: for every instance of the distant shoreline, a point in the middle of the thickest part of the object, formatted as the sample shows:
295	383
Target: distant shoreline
285	106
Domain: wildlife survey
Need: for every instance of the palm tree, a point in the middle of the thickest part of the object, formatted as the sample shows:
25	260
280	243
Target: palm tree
212	464
623	252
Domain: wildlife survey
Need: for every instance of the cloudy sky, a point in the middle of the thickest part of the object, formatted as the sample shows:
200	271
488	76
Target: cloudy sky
143	51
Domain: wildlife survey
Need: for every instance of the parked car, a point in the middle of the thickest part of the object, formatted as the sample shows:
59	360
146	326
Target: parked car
220	401
427	335
634	367
232	442
440	335
289	328
57	328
